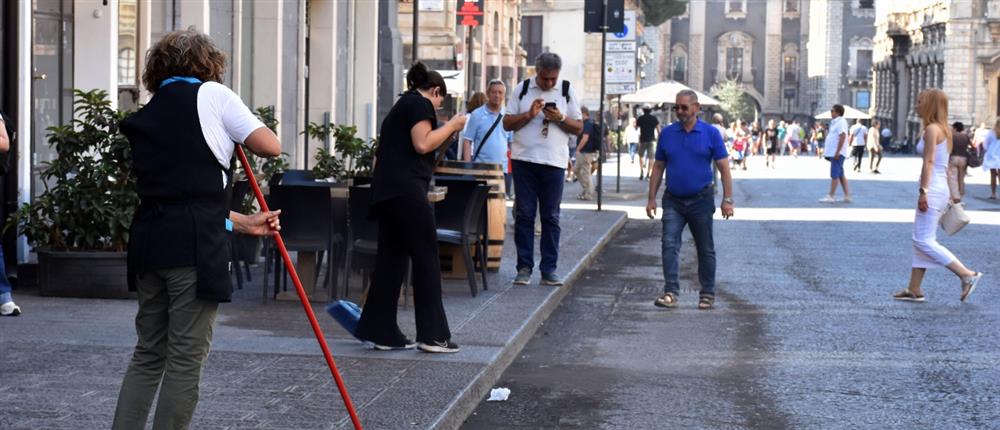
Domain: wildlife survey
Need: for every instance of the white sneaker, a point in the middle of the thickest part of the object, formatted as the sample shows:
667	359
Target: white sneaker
9	309
827	199
848	199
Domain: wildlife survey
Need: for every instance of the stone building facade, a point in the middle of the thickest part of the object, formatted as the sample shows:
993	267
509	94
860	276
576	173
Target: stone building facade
794	58
443	44
949	44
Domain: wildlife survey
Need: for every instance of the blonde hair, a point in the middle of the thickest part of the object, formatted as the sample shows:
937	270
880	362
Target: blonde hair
934	110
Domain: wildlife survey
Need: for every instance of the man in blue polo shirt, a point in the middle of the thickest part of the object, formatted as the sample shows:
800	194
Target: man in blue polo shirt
494	148
687	149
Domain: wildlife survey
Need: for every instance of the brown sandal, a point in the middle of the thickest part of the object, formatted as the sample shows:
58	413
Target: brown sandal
907	296
706	302
668	300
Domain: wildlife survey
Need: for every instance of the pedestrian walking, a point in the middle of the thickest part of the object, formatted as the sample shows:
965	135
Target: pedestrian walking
755	137
958	162
772	141
991	157
858	135
632	137
818	139
7	306
886	137
874	147
586	155
403	169
484	139
932	200
782	132
835	151
178	252
686	150
543	117
649	129
794	136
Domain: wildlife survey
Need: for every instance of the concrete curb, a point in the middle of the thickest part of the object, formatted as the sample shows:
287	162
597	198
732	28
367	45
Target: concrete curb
466	402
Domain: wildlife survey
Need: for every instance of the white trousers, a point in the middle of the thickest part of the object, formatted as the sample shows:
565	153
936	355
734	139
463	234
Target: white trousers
927	251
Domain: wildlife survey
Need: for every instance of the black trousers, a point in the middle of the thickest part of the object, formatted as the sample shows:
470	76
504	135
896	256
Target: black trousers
858	152
406	232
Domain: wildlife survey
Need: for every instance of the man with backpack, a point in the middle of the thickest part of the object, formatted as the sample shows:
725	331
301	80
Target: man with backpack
543	113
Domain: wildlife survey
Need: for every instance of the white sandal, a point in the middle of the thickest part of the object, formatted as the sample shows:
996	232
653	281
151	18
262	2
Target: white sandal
969	285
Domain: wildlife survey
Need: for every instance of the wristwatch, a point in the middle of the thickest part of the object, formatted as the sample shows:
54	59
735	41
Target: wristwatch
923	190
727	200
563	119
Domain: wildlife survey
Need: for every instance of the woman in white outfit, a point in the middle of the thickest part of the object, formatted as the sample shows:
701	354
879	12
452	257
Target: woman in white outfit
991	158
932	106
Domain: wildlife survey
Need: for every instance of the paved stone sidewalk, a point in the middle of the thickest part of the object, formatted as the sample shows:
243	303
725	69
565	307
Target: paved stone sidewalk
61	363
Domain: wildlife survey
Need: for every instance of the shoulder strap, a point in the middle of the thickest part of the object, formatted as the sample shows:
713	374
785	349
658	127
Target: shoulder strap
524	89
487	136
565	90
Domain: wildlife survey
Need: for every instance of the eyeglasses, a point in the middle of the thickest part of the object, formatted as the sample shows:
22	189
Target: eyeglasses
678	108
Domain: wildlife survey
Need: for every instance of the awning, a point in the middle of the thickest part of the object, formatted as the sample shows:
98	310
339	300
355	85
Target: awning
849	113
665	92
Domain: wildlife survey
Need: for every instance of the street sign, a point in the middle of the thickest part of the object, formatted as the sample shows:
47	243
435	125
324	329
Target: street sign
432	5
616	46
620	67
628	29
593	15
616	89
470	13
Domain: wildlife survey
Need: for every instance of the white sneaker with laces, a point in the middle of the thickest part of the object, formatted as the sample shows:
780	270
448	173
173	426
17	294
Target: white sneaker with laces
827	199
9	309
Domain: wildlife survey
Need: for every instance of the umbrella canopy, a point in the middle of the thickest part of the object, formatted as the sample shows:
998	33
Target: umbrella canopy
849	113
665	92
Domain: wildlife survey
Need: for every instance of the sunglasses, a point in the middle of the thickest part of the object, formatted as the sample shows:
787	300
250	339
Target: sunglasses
680	108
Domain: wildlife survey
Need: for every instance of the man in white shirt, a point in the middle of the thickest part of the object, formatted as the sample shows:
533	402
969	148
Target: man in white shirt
543	113
859	134
835	150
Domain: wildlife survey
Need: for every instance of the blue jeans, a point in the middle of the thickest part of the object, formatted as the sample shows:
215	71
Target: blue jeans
539	188
631	150
5	288
695	212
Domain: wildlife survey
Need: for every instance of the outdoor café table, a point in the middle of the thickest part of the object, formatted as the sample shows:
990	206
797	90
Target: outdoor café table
307	260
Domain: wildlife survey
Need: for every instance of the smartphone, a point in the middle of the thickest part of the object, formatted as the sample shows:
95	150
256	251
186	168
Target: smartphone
550	105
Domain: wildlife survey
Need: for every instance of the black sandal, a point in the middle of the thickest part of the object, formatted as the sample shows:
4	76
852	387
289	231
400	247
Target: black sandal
706	302
668	300
907	296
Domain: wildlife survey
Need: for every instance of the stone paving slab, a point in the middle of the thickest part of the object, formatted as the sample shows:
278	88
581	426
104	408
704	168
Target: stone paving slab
63	359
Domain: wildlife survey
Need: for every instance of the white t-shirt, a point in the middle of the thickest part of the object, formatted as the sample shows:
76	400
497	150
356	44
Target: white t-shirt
224	119
794	133
631	134
529	143
837	127
858	134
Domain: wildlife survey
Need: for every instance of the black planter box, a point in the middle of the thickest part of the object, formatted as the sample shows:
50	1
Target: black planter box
97	275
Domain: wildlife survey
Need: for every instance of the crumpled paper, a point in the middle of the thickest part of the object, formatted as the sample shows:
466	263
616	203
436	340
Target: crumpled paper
499	394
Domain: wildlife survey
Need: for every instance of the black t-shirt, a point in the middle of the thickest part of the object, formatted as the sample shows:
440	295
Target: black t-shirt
590	129
960	144
647	127
399	170
772	137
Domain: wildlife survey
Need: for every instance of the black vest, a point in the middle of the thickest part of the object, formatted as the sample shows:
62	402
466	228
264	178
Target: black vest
181	218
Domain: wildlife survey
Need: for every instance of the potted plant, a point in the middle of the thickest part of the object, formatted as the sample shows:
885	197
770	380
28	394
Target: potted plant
79	224
356	156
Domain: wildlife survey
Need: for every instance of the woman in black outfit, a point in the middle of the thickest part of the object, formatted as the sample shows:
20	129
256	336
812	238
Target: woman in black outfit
403	168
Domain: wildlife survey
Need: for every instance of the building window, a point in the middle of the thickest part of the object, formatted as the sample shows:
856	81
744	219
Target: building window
864	69
866	4
788	68
531	37
791	6
734	63
736	8
862	99
126	66
510	34
678	69
127	42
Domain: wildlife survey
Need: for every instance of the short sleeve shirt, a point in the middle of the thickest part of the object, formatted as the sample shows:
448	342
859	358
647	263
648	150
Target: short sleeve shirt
688	156
540	141
858	135
590	129
647	127
494	150
224	119
399	170
837	127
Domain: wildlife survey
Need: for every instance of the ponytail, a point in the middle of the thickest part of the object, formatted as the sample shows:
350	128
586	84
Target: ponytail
420	78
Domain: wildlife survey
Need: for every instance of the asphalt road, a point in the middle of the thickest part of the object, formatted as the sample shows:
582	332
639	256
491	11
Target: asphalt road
804	334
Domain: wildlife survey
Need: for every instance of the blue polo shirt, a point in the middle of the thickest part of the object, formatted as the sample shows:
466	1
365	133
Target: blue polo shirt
689	156
495	148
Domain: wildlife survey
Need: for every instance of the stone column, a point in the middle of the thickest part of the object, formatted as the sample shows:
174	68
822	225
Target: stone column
267	37
772	59
194	13
365	68
390	49
696	47
95	64
322	60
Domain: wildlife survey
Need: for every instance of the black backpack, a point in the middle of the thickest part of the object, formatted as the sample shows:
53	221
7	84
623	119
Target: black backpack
524	90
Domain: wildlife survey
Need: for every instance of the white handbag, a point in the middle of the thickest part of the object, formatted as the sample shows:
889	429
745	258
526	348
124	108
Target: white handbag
954	218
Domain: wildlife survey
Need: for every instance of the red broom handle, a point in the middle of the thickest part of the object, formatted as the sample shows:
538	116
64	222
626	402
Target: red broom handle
302	294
